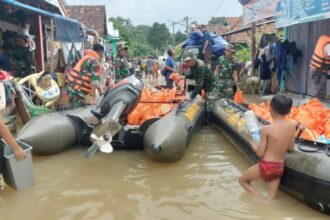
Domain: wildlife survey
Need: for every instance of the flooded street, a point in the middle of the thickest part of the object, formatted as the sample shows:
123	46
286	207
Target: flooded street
127	185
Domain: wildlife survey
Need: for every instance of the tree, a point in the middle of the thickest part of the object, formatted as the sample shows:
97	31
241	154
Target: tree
142	39
194	23
159	36
180	37
218	20
123	26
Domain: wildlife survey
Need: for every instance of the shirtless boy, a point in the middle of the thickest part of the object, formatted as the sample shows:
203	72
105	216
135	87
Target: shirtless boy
275	140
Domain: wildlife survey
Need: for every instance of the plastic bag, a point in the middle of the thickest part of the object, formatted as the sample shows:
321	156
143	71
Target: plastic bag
238	98
174	76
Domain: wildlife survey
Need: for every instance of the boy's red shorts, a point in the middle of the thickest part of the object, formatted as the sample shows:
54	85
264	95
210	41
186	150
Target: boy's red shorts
270	171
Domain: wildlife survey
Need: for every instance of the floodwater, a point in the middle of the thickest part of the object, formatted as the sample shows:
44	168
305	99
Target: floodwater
127	185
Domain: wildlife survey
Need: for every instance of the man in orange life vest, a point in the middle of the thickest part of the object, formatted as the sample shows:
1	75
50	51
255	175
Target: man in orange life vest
320	67
84	78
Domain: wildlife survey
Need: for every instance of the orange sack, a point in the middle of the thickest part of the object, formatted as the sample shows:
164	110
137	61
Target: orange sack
313	116
238	98
153	105
327	129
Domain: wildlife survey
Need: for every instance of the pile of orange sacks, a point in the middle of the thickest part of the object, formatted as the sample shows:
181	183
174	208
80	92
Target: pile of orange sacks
154	104
313	116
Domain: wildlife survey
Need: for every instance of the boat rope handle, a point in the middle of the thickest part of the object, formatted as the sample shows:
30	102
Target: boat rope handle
327	150
315	148
305	127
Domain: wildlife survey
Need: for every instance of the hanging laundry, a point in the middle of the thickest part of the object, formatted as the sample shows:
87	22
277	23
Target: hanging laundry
267	39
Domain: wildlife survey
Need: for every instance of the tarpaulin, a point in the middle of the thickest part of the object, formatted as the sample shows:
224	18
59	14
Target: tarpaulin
67	31
256	10
290	12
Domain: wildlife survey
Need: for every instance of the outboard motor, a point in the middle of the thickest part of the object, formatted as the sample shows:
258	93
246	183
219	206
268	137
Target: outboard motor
112	110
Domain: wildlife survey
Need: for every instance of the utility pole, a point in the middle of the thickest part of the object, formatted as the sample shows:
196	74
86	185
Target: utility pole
173	34
187	24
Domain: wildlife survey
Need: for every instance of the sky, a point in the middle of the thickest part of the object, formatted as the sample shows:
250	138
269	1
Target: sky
149	11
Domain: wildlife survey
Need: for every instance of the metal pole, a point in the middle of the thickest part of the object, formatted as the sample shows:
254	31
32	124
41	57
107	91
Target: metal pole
253	47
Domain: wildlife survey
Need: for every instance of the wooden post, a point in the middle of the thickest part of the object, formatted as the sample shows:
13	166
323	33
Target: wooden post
52	44
253	47
40	54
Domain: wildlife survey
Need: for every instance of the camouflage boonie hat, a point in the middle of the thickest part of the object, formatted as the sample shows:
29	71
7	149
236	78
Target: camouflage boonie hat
121	47
191	56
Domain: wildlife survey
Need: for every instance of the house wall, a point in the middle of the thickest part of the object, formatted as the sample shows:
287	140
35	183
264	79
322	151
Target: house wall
306	36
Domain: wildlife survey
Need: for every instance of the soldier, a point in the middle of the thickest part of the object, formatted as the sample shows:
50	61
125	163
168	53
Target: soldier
83	80
121	63
227	74
204	78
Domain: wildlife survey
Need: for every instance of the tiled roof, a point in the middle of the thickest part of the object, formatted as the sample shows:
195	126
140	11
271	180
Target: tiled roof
234	21
92	16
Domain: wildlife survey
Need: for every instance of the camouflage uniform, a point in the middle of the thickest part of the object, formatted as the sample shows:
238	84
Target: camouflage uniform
225	77
121	68
78	97
205	80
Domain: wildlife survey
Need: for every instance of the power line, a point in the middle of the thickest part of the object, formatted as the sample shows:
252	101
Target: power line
176	22
173	25
221	3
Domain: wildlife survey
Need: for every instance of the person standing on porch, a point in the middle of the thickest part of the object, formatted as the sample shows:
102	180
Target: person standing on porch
121	63
83	80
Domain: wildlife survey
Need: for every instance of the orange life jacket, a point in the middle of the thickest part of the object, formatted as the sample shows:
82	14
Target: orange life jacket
79	80
319	61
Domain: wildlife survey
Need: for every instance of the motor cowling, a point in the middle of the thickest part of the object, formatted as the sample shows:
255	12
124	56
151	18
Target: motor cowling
128	90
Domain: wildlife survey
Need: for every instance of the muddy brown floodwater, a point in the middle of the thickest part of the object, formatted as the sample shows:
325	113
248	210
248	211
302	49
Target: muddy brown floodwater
127	185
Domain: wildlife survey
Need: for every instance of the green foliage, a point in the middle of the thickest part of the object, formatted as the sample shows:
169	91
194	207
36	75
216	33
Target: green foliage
159	36
242	54
177	51
218	20
142	39
123	25
180	37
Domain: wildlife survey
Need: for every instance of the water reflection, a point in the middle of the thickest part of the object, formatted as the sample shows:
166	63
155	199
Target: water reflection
128	185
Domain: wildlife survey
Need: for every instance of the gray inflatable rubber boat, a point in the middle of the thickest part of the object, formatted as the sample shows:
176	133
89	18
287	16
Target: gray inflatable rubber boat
166	140
55	132
306	176
58	131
